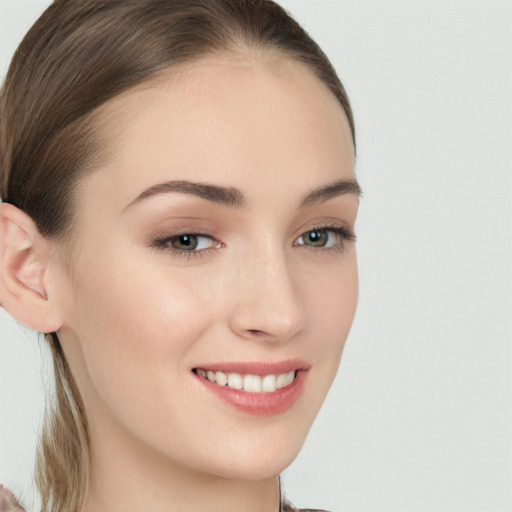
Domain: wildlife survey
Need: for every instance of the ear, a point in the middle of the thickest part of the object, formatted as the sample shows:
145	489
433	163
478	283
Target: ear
25	258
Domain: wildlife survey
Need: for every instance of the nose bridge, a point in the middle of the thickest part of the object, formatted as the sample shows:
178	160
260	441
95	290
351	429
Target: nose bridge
267	299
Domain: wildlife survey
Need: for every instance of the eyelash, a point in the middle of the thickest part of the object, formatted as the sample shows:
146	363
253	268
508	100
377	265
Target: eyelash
163	243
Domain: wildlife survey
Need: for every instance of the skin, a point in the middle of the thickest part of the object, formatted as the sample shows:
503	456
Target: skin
134	319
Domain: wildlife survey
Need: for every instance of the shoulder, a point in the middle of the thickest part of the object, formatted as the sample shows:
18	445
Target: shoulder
288	507
8	502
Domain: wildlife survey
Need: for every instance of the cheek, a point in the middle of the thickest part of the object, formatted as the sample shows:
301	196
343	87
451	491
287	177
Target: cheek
331	293
135	325
333	296
332	303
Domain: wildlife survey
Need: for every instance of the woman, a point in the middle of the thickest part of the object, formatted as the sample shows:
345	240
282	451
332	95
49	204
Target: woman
178	218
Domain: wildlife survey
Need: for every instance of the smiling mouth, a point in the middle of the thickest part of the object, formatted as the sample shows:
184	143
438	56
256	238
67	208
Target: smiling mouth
248	382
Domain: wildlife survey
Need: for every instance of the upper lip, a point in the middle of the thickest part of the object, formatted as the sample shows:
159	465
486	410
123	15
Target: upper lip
256	367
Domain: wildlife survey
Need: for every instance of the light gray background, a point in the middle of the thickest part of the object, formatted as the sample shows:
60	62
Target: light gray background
419	416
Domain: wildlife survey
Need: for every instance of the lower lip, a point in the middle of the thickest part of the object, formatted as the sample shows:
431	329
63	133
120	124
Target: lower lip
259	404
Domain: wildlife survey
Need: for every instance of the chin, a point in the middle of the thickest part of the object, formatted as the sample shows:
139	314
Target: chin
255	463
255	469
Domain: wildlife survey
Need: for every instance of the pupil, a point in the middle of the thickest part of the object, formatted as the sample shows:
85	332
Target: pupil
317	238
185	242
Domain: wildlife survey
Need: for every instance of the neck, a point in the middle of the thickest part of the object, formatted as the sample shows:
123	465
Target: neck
126	476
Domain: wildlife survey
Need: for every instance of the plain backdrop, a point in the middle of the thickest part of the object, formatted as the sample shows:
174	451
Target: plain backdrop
419	416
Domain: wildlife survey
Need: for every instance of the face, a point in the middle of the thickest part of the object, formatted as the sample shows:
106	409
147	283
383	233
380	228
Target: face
206	249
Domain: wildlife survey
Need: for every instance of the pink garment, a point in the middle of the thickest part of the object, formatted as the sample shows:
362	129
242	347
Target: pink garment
8	502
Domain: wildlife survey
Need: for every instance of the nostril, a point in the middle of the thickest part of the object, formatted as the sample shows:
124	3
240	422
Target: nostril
256	332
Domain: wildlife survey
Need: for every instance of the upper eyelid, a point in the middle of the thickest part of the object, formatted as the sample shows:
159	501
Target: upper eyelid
204	233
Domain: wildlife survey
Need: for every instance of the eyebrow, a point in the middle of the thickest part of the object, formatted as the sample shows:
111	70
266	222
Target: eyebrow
235	198
228	196
326	192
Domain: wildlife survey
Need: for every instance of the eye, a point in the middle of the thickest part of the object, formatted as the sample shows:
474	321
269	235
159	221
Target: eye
317	238
187	244
326	237
190	242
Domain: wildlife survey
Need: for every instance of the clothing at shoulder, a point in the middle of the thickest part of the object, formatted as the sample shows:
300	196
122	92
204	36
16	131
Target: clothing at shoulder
288	507
8	502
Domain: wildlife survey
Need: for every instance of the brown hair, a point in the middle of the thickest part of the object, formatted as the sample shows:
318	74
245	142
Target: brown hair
76	57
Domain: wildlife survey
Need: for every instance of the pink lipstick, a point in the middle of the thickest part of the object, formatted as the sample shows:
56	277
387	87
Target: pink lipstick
258	388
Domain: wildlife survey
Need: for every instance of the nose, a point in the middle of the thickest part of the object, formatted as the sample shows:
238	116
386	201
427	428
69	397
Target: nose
267	304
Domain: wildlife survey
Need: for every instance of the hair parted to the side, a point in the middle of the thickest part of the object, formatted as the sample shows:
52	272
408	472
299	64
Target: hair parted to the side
77	56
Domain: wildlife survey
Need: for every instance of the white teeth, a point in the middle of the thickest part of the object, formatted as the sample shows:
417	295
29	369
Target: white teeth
220	378
268	384
284	379
235	381
249	383
252	383
291	378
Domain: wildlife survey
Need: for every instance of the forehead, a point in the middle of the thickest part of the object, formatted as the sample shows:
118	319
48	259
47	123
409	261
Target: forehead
226	118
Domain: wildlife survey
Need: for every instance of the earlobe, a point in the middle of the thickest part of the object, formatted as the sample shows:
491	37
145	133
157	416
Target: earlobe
24	261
